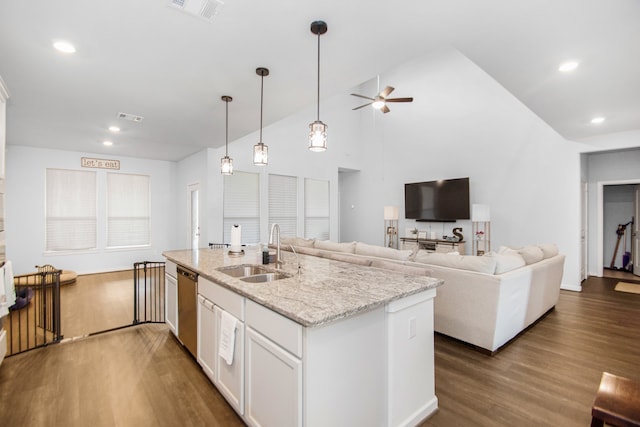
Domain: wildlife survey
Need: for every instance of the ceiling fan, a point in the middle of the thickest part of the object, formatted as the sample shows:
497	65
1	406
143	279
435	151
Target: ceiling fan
380	100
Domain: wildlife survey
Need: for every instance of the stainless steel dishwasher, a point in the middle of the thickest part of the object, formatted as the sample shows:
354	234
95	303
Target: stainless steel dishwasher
187	309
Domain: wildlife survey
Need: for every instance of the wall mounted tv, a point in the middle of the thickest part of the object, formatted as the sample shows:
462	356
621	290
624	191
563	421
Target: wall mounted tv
438	201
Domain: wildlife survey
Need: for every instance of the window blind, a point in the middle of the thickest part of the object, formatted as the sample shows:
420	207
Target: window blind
70	210
128	210
242	206
283	203
316	209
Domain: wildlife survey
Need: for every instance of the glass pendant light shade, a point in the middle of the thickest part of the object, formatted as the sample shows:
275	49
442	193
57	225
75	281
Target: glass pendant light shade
260	154
318	136
226	165
317	129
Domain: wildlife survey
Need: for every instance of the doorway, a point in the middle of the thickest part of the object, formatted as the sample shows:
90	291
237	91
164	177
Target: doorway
618	204
193	191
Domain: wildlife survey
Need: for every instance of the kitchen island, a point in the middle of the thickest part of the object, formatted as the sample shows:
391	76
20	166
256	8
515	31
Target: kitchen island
333	343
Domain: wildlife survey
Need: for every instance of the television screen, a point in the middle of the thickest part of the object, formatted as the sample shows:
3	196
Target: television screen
441	201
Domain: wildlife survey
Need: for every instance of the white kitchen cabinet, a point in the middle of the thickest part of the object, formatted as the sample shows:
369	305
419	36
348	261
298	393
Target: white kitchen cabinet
207	338
230	378
273	369
171	297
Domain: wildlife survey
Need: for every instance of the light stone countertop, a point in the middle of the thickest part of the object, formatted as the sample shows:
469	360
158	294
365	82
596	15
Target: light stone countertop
324	291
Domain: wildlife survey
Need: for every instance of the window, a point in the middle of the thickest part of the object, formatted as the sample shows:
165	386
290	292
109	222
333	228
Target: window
283	203
128	212
242	206
316	209
71	210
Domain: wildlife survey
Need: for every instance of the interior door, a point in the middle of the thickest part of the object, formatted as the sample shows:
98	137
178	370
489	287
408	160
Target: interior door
194	218
635	234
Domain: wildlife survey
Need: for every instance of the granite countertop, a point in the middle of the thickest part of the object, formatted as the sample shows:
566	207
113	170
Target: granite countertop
324	291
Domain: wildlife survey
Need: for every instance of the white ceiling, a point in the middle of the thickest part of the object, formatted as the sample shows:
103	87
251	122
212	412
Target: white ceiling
145	58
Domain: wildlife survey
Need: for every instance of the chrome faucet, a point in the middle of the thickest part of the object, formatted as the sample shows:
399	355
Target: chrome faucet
276	227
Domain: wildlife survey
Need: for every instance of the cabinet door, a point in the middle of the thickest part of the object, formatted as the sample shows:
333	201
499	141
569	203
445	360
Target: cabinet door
171	303
230	378
206	336
273	383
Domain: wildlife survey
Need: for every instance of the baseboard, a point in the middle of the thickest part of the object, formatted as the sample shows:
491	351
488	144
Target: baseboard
574	288
421	414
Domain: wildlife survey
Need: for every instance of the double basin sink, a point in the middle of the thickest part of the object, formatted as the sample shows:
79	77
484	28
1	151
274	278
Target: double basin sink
253	273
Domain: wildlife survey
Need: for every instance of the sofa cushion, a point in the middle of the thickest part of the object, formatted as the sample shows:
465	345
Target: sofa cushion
549	250
480	264
531	254
382	252
297	241
307	251
344	257
507	261
327	245
403	268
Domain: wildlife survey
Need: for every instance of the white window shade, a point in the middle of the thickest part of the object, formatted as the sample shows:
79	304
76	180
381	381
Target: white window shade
283	203
70	210
242	206
128	210
316	209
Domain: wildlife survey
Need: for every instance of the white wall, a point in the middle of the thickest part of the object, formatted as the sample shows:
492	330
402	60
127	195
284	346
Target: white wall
25	211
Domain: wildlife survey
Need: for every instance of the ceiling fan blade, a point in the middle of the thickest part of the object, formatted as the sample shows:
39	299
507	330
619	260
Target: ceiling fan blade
385	109
362	96
386	91
362	106
399	100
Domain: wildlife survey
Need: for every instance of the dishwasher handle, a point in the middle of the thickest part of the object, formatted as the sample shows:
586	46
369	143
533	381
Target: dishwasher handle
186	273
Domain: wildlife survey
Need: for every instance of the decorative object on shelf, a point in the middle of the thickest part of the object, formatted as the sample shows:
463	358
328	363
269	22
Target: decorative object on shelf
317	129
391	226
481	220
457	232
260	150
226	163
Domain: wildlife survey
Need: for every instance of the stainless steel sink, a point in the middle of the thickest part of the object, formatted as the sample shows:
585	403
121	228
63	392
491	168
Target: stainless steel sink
253	273
265	277
243	270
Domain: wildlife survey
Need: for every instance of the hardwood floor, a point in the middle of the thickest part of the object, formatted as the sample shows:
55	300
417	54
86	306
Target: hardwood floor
96	302
141	376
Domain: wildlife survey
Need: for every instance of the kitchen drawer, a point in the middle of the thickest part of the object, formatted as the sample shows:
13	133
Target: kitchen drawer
171	269
222	297
284	332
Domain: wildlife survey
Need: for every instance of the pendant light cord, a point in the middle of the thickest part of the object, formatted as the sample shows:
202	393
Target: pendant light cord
226	132
261	102
318	76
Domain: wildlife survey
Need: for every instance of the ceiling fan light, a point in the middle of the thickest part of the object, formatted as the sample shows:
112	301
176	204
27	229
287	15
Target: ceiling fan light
378	104
317	136
260	154
226	165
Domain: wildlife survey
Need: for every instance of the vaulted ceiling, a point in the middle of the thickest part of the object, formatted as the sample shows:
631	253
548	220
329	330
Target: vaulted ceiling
149	59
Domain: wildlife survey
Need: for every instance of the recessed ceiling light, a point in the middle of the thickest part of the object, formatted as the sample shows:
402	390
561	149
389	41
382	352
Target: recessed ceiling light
64	46
597	120
107	143
568	66
114	128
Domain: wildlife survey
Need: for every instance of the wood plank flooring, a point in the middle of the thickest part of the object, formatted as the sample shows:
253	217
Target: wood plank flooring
141	376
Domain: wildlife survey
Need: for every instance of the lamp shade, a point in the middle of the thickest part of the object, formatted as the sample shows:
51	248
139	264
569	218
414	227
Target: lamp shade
390	213
480	213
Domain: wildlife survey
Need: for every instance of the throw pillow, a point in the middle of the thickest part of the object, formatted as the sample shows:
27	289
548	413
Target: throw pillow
549	250
507	261
531	254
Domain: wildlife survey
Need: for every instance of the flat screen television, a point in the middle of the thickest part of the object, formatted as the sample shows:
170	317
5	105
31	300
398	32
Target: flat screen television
438	201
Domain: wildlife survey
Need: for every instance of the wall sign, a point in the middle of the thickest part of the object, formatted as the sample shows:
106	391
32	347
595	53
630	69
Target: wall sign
88	162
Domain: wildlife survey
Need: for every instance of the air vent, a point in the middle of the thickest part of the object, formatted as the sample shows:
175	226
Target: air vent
203	9
130	117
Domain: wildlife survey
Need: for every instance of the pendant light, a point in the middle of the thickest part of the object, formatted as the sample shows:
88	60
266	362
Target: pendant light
317	129
226	163
261	151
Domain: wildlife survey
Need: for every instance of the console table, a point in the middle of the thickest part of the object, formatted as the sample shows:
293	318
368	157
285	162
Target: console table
433	245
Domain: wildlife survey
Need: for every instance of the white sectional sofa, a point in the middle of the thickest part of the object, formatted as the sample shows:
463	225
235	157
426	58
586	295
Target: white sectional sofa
485	301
